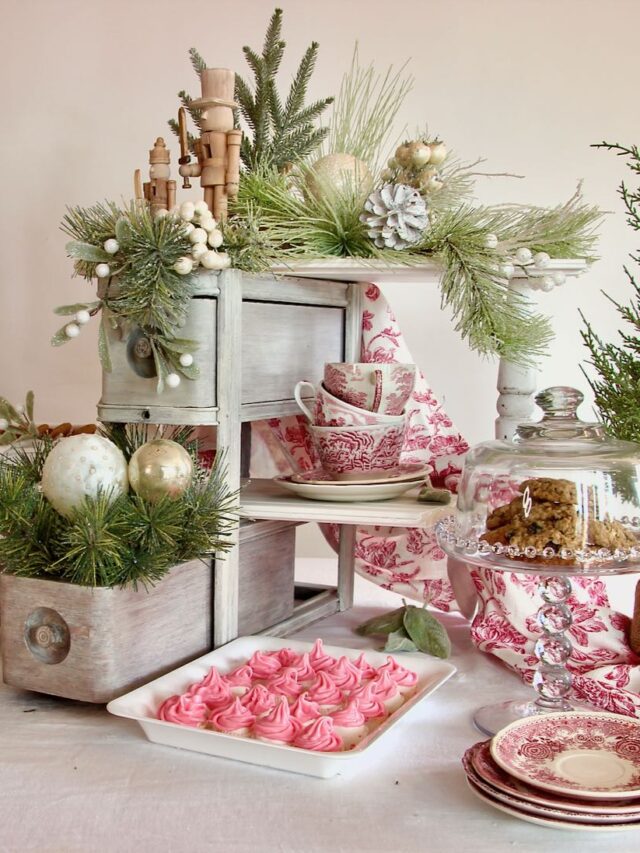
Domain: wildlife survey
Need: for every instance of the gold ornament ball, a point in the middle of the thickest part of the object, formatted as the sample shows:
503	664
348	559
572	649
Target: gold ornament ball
339	173
160	468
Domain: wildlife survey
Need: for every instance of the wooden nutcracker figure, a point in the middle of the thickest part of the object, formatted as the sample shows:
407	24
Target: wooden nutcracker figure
159	190
218	149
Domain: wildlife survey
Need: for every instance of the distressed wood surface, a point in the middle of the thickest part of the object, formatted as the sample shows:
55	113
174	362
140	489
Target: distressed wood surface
267	287
228	354
118	638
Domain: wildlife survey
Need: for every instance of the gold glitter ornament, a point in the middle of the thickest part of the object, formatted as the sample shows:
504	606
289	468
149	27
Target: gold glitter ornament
160	468
340	173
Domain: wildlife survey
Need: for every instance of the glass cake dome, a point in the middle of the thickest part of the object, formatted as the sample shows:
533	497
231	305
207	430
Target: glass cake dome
561	497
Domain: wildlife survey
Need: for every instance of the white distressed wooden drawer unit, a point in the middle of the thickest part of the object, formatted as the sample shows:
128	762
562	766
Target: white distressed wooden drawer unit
260	332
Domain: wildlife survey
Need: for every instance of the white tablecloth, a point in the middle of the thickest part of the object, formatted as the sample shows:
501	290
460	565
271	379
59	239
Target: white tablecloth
74	778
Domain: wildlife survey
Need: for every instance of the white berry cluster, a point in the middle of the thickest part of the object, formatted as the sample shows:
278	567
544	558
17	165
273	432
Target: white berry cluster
204	235
415	163
533	265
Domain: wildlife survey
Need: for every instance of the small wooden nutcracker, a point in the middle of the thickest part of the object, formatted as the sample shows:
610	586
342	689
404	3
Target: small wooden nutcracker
218	149
159	190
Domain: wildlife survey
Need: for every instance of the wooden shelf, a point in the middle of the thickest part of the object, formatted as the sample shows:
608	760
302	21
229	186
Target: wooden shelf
266	499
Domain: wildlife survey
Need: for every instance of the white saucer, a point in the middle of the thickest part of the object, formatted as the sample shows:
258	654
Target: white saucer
346	492
398	474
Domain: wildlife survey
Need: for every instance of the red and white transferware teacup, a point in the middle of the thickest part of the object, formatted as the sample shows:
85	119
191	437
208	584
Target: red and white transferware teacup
328	410
383	388
351	451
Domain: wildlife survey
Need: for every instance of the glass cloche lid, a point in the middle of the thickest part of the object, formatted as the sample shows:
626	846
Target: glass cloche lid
561	495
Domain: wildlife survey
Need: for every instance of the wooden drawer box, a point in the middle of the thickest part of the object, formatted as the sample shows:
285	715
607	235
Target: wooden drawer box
94	644
266	581
287	331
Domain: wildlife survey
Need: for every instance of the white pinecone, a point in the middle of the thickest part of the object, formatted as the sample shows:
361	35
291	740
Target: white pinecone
395	216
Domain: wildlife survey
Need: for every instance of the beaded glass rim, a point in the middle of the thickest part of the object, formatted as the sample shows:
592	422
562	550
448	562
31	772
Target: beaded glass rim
589	560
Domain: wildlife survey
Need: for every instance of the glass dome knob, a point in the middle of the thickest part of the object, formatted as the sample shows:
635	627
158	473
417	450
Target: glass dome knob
560	401
560	420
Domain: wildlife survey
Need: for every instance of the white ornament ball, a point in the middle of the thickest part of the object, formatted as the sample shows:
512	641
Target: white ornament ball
4	424
187	210
507	270
215	239
161	212
491	241
225	260
72	330
103	270
172	380
186	359
523	255
438	153
82	466
183	266
82	318
111	246
541	260
212	260
198	235
198	250
201	208
559	278
188	228
547	284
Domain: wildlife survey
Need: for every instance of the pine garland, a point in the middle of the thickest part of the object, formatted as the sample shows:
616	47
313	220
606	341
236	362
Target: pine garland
110	543
616	387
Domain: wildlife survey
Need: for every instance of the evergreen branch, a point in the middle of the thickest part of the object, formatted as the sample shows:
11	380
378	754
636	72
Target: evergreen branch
197	61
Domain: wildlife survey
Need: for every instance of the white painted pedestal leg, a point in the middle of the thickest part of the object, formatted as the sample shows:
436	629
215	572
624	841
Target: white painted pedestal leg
346	565
516	384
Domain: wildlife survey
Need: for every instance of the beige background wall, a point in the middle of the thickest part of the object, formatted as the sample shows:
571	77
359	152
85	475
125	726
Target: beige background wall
89	84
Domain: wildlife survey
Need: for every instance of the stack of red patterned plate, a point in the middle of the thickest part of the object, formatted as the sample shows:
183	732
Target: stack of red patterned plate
574	770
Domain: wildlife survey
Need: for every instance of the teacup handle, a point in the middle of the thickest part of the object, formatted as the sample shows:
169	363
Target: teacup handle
297	393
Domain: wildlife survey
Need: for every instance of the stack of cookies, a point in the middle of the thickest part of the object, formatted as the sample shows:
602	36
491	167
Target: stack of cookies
546	514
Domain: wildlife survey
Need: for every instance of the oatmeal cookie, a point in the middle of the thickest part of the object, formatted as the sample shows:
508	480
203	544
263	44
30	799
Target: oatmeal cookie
550	489
610	534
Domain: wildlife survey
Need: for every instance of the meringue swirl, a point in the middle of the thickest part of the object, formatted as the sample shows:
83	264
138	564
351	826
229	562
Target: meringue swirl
319	736
264	664
184	710
278	724
234	718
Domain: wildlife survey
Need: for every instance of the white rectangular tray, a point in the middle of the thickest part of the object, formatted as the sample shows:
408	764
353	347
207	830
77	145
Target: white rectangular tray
142	704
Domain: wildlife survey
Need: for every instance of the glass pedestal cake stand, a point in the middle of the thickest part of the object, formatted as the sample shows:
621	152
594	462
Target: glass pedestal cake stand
552	679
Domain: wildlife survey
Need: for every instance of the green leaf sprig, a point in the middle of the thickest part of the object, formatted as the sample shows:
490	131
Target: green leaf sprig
409	629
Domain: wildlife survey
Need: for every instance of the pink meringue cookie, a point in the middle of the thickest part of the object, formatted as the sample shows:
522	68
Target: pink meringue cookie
258	700
184	710
319	659
405	679
350	723
264	664
285	683
319	736
304	710
387	691
288	657
367	670
239	680
368	702
325	693
278	726
215	697
304	669
235	719
212	679
345	675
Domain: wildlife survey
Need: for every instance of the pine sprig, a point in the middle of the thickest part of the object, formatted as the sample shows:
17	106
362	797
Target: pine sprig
147	292
616	385
110	542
